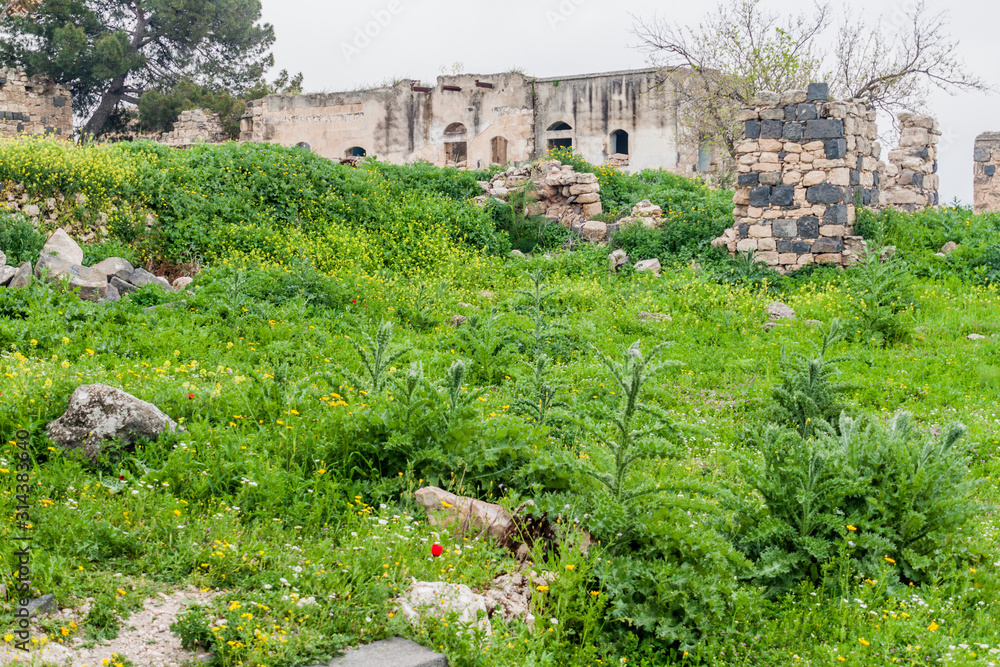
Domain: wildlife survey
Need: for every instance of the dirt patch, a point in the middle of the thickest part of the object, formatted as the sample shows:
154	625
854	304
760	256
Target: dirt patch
145	638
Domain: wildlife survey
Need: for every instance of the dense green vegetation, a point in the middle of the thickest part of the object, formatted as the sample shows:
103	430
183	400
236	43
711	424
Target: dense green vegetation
819	492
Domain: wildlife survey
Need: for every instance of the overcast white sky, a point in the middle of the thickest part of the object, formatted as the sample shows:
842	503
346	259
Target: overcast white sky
417	38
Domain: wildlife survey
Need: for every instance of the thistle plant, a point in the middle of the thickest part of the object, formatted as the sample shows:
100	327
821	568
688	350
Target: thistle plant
378	357
538	297
808	395
632	444
543	401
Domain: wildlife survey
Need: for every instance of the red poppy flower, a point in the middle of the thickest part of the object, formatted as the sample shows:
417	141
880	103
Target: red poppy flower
354	300
190	397
121	478
436	550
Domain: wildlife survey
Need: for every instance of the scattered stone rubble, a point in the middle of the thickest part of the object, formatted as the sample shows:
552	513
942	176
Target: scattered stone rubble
805	163
985	180
195	126
61	260
911	180
557	192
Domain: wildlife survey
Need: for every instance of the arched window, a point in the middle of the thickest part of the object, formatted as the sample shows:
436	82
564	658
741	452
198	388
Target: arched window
304	145
498	150
356	151
559	127
455	129
619	143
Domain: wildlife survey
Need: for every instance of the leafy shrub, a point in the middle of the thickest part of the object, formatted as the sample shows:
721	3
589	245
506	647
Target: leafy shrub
94	253
745	270
19	239
875	493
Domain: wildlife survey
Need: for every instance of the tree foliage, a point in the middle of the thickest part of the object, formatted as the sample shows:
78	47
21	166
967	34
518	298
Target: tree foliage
109	52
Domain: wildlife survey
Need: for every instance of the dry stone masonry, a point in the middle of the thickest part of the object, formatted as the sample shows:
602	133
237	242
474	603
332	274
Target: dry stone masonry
805	164
195	126
911	180
557	192
32	105
986	181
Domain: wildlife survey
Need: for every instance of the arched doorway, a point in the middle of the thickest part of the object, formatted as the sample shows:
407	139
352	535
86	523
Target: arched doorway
355	151
456	149
619	144
561	135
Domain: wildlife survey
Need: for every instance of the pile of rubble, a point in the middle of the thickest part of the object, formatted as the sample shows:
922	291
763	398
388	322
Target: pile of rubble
553	190
62	259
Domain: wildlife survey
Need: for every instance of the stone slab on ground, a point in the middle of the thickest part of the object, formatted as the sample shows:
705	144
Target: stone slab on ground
393	652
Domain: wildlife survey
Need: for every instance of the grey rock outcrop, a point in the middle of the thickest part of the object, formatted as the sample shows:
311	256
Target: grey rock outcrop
113	265
394	652
6	275
652	265
97	413
22	277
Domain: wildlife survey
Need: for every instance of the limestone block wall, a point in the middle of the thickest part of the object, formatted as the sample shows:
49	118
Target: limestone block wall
911	180
985	179
195	126
805	163
558	192
32	105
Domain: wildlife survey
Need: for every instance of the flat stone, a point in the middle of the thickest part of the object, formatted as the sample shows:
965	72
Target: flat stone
976	337
42	605
655	317
113	265
780	311
61	245
121	286
141	277
595	231
949	247
393	652
182	282
649	265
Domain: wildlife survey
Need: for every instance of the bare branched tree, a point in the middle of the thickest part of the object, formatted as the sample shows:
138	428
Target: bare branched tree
893	64
741	49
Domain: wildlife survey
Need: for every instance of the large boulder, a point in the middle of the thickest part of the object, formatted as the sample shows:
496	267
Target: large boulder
6	275
61	245
182	283
22	277
113	265
141	277
98	412
92	285
394	651
595	231
440	598
466	515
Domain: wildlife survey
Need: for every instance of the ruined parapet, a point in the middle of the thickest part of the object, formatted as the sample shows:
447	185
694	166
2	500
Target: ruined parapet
556	192
195	126
911	180
33	105
985	180
804	165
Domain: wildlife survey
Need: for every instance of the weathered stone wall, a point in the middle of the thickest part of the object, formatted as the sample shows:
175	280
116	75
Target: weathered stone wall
623	118
911	180
32	105
986	180
805	163
195	126
558	192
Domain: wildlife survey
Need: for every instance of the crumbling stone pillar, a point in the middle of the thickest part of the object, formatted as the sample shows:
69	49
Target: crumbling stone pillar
804	165
195	126
985	180
32	105
911	175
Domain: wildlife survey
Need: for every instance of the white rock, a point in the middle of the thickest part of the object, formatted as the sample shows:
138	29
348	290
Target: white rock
976	337
649	265
780	311
61	245
442	598
113	265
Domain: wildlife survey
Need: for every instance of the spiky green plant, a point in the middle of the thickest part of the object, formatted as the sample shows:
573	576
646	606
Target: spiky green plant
378	357
542	404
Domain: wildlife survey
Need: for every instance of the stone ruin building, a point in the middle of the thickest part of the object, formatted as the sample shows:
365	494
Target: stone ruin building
911	176
805	165
628	119
195	126
33	105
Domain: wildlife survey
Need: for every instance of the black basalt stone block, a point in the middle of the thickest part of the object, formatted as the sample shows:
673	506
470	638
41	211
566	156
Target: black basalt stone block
818	92
835	215
824	193
855	177
782	195
990	170
752	129
744	230
806	112
801	247
771	129
835	149
792	132
760	196
823	246
824	128
59	102
748	180
809	227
